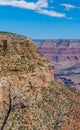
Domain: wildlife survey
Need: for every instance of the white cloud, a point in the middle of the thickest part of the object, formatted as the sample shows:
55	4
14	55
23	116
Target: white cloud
41	6
68	6
51	13
24	4
20	4
42	3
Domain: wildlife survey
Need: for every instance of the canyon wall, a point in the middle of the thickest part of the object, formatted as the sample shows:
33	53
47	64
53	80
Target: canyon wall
60	50
65	55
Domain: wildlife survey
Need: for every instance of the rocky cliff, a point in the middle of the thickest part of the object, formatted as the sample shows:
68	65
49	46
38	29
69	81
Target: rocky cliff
29	96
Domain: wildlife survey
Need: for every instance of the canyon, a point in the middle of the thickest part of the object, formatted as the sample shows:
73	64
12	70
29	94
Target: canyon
65	55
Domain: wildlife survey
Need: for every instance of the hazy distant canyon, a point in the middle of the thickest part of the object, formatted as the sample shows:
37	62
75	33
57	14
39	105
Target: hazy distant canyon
65	55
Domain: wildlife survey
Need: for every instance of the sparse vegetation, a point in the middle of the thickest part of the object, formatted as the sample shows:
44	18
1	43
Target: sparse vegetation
30	100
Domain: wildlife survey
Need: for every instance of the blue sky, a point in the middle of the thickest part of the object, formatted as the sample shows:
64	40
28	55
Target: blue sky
41	19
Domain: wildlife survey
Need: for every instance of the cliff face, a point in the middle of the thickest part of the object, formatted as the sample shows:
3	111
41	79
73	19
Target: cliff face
29	96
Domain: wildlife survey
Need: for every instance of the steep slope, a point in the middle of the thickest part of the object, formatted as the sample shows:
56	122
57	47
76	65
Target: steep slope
53	107
30	99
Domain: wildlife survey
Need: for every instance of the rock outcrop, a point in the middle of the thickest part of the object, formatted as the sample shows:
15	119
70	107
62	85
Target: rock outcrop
20	60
